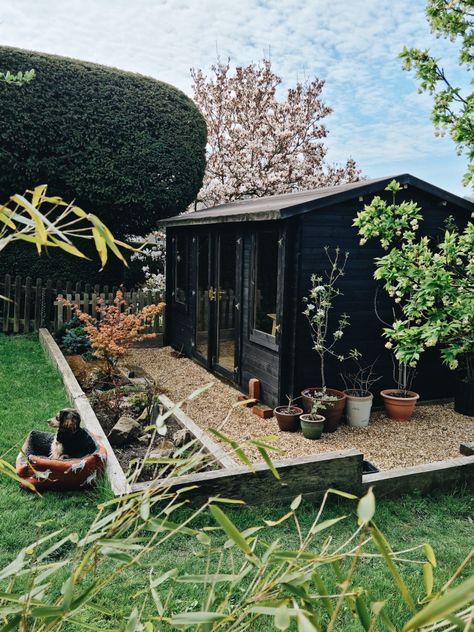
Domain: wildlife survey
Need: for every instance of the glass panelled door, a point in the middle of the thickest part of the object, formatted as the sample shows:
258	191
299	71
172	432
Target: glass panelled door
202	296
216	302
226	261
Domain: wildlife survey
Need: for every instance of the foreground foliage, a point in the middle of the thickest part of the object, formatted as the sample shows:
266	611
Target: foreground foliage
233	564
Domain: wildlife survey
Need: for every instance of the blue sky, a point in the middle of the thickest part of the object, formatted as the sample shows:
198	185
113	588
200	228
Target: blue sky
379	118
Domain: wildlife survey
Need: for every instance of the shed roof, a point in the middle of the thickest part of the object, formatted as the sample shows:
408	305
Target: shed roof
290	204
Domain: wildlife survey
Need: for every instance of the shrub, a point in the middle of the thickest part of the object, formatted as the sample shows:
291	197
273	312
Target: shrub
117	328
126	147
76	341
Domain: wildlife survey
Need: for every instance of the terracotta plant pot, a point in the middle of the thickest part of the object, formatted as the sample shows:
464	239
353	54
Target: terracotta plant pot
288	421
332	413
397	407
312	426
464	398
358	408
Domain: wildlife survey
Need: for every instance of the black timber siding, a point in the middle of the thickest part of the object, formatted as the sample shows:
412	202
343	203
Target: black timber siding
332	226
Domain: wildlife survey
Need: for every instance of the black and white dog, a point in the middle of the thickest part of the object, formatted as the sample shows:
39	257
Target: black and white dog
67	442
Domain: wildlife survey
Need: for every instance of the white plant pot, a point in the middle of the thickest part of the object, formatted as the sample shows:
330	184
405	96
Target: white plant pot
358	410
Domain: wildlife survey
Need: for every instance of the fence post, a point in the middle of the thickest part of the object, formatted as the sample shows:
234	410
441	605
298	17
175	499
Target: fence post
38	294
27	306
6	311
17	305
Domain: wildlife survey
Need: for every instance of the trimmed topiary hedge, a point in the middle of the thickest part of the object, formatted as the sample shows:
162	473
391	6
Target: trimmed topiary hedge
126	147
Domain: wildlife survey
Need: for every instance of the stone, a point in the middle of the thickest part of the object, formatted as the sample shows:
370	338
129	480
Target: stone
125	430
181	437
144	439
163	450
467	448
144	416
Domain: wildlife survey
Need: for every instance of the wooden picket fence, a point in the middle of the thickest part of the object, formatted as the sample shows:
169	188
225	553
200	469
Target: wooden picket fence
32	305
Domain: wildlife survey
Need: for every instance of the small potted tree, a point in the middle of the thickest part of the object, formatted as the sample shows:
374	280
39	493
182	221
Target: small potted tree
288	417
312	423
318	305
358	391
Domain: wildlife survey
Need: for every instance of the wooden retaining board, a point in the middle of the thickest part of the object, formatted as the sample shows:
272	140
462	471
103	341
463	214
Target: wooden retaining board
80	402
447	476
309	476
209	445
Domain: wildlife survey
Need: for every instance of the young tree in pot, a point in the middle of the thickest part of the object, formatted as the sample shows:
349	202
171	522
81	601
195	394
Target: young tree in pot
312	423
358	393
288	417
319	304
433	284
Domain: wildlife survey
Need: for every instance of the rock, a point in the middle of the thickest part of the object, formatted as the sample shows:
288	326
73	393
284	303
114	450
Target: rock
139	381
181	437
163	450
144	416
125	430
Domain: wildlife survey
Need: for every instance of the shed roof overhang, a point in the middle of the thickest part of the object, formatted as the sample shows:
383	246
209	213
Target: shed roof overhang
277	207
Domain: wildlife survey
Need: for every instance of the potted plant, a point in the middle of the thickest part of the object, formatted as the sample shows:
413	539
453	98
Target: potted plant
400	402
358	393
312	423
288	417
318	305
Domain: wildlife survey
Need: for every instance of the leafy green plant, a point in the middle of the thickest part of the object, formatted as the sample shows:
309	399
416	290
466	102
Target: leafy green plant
431	283
76	341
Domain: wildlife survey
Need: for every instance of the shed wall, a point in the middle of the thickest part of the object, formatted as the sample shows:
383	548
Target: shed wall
333	226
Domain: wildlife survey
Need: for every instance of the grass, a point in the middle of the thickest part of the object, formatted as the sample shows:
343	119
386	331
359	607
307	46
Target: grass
31	391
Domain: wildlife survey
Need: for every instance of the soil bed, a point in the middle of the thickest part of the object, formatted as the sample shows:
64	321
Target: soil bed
434	433
109	407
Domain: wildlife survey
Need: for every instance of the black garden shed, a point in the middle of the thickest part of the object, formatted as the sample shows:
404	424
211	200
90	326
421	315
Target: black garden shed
237	273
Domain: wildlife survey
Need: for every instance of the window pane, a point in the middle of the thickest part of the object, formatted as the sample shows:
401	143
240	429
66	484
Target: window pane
181	269
266	278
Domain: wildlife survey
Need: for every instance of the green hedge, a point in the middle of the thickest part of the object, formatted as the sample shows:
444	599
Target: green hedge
126	147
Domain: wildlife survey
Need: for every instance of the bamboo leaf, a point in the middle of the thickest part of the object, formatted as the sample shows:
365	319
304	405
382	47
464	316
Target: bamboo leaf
304	624
296	503
282	618
430	555
428	578
441	607
197	618
366	507
230	529
325	524
269	462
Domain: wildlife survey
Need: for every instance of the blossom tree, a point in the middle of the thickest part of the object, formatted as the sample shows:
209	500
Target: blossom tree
259	145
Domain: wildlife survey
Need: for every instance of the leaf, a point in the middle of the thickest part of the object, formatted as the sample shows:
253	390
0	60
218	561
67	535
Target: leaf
273	523
343	494
296	503
304	624
100	245
366	507
282	618
133	623
325	524
430	555
69	248
428	578
440	608
231	530
269	462
197	618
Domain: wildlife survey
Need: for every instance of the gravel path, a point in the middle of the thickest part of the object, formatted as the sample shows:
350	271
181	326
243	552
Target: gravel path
434	433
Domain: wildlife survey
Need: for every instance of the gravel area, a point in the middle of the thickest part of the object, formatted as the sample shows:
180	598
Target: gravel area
434	433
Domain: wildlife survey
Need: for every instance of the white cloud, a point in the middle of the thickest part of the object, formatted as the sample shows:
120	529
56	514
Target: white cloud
353	44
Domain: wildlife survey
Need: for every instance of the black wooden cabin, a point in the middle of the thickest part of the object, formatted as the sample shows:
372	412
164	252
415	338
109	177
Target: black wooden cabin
237	273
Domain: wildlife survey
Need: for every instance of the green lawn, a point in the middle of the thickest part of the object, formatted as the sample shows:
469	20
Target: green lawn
31	391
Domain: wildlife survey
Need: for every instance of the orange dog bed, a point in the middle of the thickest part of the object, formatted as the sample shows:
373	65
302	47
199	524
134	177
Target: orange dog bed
34	465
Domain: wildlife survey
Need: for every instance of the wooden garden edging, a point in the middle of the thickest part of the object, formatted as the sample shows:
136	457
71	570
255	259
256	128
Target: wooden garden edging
447	476
209	445
80	402
310	476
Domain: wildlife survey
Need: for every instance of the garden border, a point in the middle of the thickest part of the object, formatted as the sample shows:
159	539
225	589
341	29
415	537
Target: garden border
81	403
310	475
